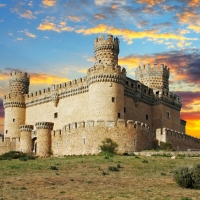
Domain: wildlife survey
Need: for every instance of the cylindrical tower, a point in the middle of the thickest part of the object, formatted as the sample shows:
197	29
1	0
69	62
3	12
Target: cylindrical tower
155	77
106	81
25	138
44	138
14	103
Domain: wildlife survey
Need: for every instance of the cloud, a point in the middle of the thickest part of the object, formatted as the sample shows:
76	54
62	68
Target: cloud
194	3
51	26
108	2
42	78
1	21
27	14
46	37
192	19
19	39
27	33
2	5
99	16
49	2
74	18
129	35
150	2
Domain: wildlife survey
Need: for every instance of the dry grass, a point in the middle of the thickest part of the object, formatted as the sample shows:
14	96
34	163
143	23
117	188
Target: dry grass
80	177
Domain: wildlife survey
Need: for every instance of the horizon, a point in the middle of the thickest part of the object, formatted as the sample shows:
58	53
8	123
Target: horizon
53	42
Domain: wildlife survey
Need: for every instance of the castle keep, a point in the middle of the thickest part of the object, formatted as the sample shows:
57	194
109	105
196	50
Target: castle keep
74	117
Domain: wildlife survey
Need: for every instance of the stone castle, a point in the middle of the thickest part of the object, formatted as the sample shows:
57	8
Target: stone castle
73	118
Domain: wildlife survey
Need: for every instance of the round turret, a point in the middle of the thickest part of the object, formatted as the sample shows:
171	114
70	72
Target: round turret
155	77
19	82
106	51
25	138
44	138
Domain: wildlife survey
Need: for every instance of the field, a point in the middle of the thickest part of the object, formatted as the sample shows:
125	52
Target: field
88	177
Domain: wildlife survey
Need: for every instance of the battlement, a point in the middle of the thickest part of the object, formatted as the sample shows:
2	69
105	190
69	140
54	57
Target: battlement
25	128
103	123
44	125
108	43
155	67
19	74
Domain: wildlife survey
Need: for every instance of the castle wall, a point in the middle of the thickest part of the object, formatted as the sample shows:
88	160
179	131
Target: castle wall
69	109
180	141
138	112
9	144
87	137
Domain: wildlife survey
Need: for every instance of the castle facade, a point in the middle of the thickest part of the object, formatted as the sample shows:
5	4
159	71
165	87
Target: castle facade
74	117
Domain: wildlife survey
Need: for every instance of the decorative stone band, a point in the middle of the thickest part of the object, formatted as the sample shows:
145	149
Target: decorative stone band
103	47
44	125
22	80
27	128
106	78
14	104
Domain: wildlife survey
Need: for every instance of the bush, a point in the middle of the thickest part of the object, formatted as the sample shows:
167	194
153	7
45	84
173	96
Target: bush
166	146
182	176
23	159
109	146
195	174
112	168
17	155
145	161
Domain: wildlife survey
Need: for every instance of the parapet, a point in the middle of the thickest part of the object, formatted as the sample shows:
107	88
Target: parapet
154	68
25	128
44	125
101	43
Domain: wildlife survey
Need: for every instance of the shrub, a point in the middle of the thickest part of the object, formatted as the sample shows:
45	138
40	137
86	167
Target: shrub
23	159
195	174
182	176
53	168
112	168
109	146
118	166
166	146
145	161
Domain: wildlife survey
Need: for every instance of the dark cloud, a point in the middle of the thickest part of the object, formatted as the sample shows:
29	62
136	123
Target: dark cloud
188	98
162	25
1	108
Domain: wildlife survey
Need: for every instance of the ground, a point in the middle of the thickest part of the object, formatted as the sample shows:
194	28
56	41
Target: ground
80	177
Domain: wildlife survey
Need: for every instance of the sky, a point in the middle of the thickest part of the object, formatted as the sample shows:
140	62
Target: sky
52	40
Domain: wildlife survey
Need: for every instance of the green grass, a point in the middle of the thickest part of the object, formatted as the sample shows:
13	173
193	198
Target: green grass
82	177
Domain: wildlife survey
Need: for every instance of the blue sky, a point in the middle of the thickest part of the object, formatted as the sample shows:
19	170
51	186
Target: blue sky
53	41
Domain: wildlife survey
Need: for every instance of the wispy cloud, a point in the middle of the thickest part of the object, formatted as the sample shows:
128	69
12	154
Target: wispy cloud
99	16
150	2
2	5
129	35
27	14
74	18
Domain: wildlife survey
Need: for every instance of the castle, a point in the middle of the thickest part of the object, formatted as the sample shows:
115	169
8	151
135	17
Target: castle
74	117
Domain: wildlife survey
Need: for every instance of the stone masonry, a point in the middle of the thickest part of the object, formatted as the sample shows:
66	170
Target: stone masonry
74	117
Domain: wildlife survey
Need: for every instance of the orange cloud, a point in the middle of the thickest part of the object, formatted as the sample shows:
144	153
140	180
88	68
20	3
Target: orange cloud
192	19
49	2
149	2
129	35
37	79
194	3
50	26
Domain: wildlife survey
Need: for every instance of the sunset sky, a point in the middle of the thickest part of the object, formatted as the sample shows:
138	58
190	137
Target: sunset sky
52	40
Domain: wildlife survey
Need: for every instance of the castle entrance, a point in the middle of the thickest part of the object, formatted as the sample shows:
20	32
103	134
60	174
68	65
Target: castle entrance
34	145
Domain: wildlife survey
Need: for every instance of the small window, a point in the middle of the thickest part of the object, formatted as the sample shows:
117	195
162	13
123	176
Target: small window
118	115
138	86
83	140
147	117
6	131
168	114
126	82
99	61
134	142
57	144
113	99
13	120
131	84
55	115
124	109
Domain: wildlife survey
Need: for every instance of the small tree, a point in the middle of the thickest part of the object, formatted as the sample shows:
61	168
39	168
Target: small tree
109	146
166	146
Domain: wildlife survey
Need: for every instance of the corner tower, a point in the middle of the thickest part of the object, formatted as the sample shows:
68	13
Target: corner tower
106	81
14	103
155	77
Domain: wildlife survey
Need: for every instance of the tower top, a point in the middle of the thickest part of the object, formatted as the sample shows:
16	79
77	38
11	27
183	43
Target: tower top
155	77
19	82
106	50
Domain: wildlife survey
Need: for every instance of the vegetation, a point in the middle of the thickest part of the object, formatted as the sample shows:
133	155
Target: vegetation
109	146
166	146
58	178
17	155
188	178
